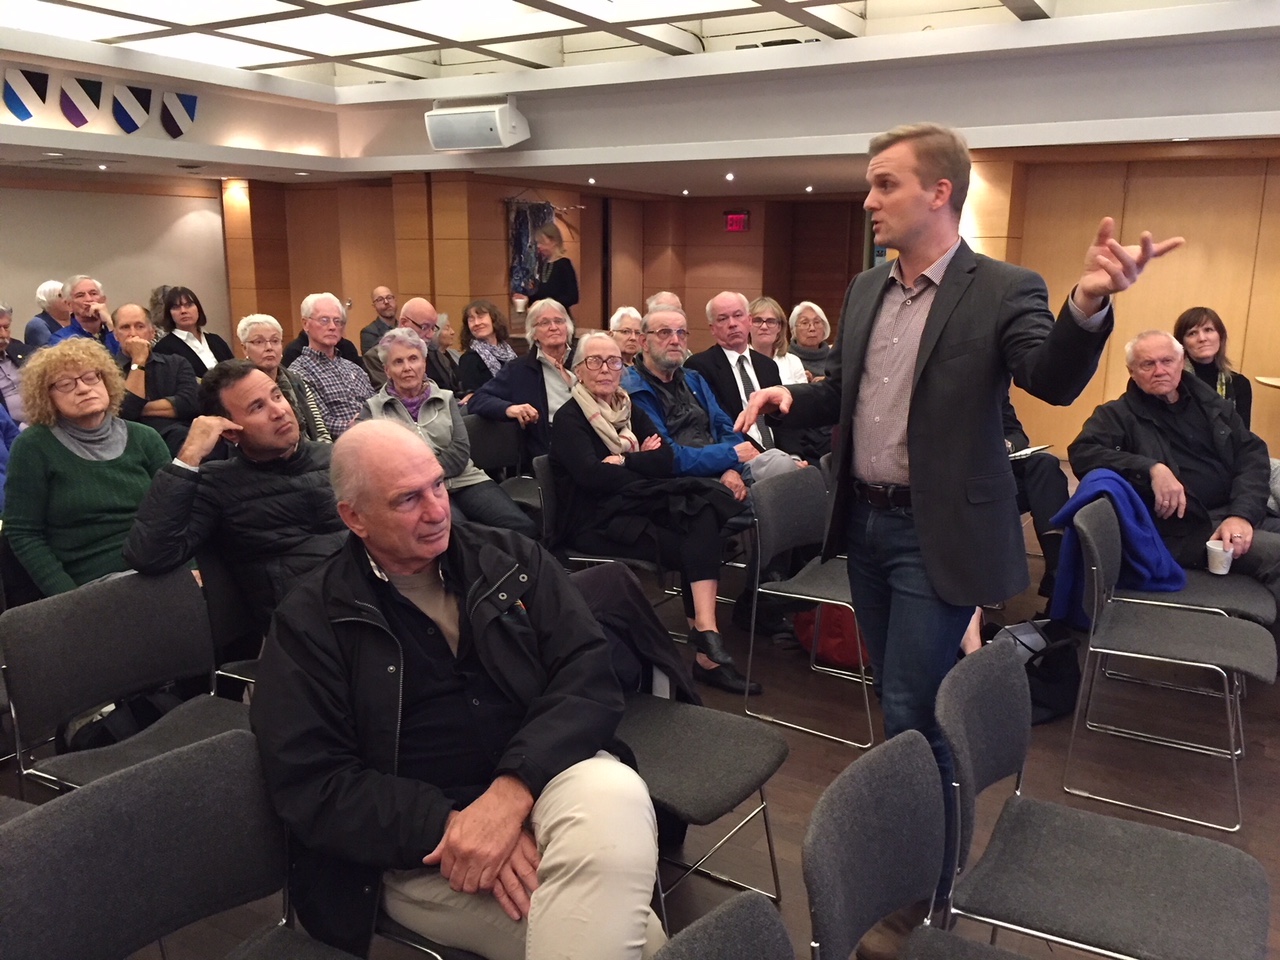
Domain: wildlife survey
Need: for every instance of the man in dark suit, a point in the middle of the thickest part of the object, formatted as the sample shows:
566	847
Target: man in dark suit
925	502
160	390
731	367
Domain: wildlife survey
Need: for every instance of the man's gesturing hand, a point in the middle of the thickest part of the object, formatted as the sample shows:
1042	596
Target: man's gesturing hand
479	839
762	401
1110	267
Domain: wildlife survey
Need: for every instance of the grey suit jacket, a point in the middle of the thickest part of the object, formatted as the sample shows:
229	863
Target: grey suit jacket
989	320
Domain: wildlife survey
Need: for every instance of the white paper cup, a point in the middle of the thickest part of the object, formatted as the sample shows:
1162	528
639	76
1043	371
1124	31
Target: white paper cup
1219	557
519	302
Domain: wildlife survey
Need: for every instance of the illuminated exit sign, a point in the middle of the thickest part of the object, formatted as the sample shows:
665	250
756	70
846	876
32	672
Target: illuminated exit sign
737	221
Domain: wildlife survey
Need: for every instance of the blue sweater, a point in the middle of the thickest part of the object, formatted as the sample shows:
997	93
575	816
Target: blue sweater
1145	562
708	461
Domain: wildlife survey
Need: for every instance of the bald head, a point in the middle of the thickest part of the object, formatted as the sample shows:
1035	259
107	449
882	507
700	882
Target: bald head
418	314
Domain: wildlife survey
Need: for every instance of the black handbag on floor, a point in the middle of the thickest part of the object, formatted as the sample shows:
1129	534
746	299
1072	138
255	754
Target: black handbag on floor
1049	650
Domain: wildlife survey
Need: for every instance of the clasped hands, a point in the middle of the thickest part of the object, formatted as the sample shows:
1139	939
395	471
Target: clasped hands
486	846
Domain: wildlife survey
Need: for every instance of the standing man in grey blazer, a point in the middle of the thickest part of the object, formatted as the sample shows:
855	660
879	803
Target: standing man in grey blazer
925	502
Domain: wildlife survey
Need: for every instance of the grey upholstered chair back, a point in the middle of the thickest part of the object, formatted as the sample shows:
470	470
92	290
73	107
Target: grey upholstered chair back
746	927
75	651
1099	533
100	872
984	710
547	486
791	511
875	842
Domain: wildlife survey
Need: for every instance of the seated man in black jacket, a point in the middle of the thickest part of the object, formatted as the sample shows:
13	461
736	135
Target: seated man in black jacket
159	389
268	510
1186	451
433	711
1042	490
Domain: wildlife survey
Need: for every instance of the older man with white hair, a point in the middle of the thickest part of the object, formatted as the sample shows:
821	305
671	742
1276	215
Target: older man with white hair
55	313
89	314
340	385
1190	457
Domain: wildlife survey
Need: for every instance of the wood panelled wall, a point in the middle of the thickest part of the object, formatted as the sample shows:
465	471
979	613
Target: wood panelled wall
1229	211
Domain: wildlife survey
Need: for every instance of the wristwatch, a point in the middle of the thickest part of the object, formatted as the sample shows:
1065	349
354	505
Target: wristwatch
137	366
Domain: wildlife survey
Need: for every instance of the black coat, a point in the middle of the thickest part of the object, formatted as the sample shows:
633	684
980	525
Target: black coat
326	711
520	381
473	373
1123	436
173	345
270	521
168	377
723	378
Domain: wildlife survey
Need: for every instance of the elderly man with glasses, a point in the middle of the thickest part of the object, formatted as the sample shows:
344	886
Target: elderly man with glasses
340	385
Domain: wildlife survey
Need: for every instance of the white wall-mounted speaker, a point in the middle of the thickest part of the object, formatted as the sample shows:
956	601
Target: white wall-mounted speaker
484	127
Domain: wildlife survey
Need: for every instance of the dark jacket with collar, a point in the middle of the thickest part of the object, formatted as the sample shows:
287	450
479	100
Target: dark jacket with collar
723	378
1124	435
271	521
520	381
989	320
167	378
18	352
175	346
327	712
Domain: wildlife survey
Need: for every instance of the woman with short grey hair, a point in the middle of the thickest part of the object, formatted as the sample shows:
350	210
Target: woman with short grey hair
410	398
262	339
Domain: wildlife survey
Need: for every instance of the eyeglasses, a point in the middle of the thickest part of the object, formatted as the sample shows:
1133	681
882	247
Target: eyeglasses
258	343
595	363
330	321
89	378
767	322
666	333
808	322
422	327
387	299
552	322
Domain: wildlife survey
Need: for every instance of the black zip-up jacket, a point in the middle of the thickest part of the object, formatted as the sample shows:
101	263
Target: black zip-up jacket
327	713
1124	436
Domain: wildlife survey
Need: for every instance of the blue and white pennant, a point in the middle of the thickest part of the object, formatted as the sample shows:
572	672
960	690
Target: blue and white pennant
80	100
131	107
25	92
177	113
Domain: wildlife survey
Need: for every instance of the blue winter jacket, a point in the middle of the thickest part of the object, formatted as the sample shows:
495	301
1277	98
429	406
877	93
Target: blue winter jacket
708	461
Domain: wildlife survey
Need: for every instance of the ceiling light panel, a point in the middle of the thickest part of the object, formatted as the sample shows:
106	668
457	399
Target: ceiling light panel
470	21
326	34
218	51
621	11
192	14
53	18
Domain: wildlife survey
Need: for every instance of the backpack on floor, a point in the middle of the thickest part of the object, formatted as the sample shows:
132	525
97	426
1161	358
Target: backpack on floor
1049	651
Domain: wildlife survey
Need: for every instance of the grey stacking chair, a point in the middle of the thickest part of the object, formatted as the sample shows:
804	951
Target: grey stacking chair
550	511
790	512
1227	648
11	808
101	872
65	655
875	844
497	448
746	927
700	787
388	929
1074	877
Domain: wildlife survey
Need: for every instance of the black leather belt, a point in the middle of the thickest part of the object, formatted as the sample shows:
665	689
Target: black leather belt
882	496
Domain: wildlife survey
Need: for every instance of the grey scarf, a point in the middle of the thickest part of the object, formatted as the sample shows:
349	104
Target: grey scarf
103	442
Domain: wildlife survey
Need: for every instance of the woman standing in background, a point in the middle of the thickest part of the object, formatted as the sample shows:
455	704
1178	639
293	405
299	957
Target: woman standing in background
556	280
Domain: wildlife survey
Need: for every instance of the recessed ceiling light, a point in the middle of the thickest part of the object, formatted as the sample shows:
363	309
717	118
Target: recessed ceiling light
102	166
684	193
1181	139
52	153
809	189
591	180
728	176
301	173
226	178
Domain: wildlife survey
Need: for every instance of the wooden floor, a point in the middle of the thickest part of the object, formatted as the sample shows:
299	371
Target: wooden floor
1158	775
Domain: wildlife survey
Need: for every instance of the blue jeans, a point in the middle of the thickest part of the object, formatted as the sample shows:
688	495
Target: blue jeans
911	633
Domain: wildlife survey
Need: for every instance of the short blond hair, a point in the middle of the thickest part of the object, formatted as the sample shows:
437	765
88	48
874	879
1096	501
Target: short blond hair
53	363
941	154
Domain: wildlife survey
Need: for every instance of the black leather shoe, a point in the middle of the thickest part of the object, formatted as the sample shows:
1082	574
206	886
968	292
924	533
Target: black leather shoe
726	677
710	644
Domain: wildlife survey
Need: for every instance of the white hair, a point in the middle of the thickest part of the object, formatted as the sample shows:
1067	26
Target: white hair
5	310
1147	335
661	308
246	325
48	292
746	304
622	312
800	308
70	284
660	298
309	304
535	314
580	351
400	337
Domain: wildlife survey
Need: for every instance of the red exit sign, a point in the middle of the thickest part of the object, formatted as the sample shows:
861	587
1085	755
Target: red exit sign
737	221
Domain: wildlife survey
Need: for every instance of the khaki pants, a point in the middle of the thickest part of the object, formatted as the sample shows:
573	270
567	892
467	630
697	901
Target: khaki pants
595	830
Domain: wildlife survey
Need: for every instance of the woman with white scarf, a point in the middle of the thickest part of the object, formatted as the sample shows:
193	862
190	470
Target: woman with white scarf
614	470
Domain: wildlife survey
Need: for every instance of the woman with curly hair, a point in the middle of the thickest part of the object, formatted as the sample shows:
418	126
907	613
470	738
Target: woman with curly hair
78	473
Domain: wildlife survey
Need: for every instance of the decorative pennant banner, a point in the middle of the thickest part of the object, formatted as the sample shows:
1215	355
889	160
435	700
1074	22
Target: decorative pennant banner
25	91
177	113
131	106
80	100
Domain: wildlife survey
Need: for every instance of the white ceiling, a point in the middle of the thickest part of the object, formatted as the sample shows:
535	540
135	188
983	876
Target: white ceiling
351	42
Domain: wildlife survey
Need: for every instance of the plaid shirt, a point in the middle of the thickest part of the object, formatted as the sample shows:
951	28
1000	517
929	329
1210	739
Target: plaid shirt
340	385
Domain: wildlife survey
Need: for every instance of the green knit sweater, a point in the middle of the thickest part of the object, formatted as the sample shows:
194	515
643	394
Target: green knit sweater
67	518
